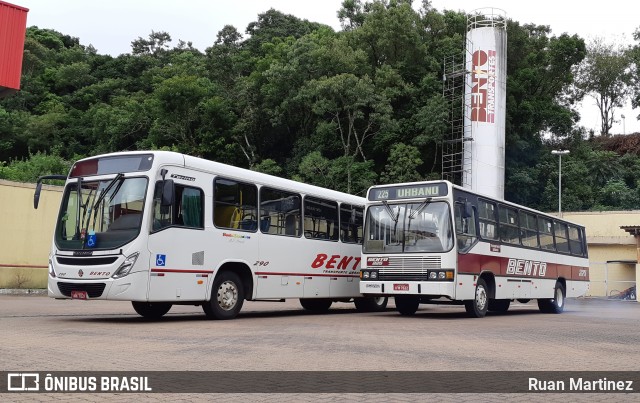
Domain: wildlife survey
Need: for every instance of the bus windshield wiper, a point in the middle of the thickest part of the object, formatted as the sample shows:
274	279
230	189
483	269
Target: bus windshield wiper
79	197
393	216
95	205
84	209
415	212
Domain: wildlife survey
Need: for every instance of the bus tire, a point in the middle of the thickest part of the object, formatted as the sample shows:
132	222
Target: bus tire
316	304
371	304
151	310
227	297
407	305
499	305
478	306
555	304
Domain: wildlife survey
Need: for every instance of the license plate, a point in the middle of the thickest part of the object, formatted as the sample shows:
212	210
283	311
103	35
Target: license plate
401	287
79	295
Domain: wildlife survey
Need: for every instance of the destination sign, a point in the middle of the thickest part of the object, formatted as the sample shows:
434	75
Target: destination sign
408	191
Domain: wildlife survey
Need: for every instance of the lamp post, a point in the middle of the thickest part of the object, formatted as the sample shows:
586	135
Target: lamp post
624	130
560	153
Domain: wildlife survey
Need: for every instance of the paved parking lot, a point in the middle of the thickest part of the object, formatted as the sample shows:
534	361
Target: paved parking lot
41	334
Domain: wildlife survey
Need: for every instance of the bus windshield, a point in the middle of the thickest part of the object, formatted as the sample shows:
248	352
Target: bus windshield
103	214
408	227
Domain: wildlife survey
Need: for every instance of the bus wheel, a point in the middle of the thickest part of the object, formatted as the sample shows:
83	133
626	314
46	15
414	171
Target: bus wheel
227	297
371	304
407	305
477	307
499	305
315	304
151	310
556	304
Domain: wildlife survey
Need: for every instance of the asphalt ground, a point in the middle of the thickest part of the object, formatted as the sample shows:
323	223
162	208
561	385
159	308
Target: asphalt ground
42	334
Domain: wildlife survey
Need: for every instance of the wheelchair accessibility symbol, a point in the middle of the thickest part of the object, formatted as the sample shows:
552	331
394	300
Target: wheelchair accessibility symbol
161	260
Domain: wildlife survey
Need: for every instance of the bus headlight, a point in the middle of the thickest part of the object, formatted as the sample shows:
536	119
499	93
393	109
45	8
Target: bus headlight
374	275
126	266
52	271
365	274
441	275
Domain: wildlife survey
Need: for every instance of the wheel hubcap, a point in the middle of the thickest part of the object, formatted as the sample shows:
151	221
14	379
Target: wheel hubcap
227	295
378	301
559	297
481	297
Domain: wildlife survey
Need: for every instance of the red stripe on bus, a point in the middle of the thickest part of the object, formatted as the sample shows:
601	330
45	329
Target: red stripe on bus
181	271
472	263
264	273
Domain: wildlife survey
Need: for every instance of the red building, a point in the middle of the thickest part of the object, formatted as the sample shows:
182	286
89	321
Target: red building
13	23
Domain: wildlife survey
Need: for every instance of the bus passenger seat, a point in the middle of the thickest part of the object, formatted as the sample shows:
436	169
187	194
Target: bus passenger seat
265	223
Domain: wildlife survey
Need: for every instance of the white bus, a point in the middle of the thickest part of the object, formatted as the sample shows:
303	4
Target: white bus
162	228
434	242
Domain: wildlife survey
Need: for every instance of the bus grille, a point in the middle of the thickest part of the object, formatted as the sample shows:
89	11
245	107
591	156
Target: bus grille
94	290
86	261
409	268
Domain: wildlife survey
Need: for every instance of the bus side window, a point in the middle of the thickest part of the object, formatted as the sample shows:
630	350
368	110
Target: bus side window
320	219
546	234
186	210
560	232
509	231
235	205
280	212
488	220
465	220
351	219
190	212
529	229
575	241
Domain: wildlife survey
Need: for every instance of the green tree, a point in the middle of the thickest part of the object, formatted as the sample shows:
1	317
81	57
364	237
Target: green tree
616	195
343	173
605	75
38	164
402	164
634	55
156	43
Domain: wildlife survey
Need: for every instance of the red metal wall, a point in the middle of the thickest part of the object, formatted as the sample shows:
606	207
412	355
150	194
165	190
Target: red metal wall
13	23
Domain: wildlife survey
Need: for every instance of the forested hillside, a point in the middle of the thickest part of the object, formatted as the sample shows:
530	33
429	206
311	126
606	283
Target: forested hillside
294	98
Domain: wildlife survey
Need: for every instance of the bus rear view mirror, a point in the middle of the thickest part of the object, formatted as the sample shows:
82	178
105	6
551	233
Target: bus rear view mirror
36	195
168	193
468	209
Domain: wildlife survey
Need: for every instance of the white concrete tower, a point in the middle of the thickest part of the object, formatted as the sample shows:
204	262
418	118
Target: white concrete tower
485	111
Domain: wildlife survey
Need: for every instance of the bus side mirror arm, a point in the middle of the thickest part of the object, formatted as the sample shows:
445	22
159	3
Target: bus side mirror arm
36	195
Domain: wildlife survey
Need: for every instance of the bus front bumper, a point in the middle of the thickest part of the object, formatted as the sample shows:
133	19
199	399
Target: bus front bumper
132	287
398	287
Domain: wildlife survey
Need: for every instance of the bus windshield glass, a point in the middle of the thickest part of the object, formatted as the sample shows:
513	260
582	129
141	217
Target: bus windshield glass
103	214
408	227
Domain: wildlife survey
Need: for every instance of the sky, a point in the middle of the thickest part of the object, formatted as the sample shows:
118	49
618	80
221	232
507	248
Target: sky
110	26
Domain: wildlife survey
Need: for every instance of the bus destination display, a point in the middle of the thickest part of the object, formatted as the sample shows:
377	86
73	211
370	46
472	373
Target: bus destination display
408	191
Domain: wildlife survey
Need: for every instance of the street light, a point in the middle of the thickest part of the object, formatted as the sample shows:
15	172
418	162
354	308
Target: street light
560	153
624	130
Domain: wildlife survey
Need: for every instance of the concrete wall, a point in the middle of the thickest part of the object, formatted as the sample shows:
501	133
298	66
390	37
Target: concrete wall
26	234
608	246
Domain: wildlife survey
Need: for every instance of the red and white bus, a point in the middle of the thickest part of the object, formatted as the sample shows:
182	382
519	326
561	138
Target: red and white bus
437	242
161	228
